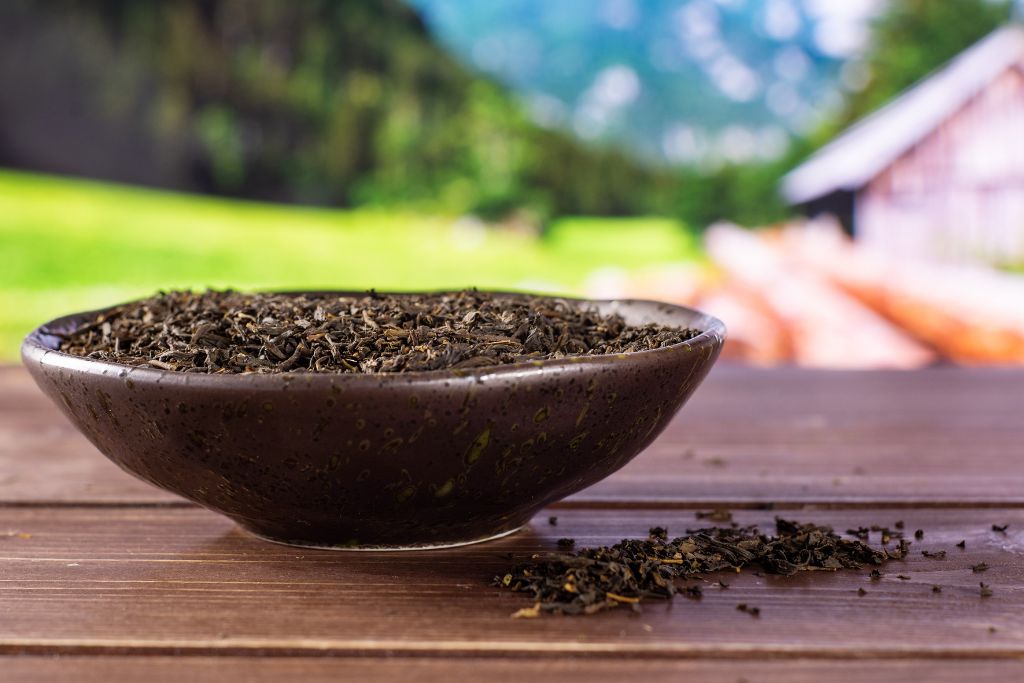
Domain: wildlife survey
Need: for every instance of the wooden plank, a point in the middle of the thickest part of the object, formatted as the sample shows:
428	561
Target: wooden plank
183	580
44	458
101	669
945	436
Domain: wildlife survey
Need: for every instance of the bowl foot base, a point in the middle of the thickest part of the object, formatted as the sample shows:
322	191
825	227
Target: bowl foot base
377	548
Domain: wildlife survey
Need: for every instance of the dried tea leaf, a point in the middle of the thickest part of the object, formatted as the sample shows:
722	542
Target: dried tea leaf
717	515
527	612
752	611
693	592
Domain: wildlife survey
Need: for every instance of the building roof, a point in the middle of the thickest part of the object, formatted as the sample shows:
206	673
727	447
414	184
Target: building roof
869	146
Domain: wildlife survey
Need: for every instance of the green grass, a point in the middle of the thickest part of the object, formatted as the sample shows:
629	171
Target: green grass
68	245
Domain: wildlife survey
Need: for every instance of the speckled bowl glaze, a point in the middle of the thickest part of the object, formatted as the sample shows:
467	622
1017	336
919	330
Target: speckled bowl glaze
407	460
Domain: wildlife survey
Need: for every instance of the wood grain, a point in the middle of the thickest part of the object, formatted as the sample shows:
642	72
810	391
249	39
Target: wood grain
946	436
103	577
162	581
942	437
102	669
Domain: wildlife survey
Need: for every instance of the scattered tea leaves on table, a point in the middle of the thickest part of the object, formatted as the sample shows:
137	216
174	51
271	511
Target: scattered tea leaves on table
985	589
589	580
232	332
919	534
553	521
980	567
936	589
1000	528
962	544
936	555
752	611
887	534
694	592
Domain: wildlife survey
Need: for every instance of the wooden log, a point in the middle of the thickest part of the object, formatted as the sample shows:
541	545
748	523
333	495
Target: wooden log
755	334
828	327
968	313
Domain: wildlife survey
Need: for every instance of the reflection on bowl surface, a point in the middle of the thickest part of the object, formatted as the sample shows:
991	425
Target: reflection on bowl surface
419	459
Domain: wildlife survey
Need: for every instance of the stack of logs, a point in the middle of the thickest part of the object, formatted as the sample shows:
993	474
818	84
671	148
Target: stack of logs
805	294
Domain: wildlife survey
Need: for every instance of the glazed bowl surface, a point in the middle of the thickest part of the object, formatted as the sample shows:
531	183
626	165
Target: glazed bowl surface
390	460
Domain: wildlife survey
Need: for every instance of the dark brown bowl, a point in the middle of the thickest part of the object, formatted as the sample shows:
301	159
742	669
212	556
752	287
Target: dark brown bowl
419	459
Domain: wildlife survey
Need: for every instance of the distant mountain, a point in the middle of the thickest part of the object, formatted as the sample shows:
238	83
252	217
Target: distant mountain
682	80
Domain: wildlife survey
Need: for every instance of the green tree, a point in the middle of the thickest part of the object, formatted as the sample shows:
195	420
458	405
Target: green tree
319	101
912	38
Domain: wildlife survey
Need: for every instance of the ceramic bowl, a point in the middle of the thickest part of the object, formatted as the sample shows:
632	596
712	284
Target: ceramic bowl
404	460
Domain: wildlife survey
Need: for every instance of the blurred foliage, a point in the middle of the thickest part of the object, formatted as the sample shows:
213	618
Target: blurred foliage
912	38
351	102
322	102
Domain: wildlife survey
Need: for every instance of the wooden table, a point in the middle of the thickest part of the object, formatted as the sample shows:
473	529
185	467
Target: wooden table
103	577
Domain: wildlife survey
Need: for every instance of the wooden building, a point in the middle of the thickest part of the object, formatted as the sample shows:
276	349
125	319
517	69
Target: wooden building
938	173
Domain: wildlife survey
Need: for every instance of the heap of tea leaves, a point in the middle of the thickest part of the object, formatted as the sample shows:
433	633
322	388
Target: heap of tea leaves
593	579
232	332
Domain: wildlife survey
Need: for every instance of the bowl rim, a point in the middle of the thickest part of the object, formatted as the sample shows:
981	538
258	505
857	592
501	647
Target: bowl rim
35	350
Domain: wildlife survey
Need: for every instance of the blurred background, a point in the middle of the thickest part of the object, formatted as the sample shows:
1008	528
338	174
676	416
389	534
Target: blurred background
842	181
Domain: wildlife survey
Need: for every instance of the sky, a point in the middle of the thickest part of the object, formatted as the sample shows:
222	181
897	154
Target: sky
686	81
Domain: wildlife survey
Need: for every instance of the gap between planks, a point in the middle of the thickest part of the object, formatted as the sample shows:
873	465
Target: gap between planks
160	669
597	504
530	650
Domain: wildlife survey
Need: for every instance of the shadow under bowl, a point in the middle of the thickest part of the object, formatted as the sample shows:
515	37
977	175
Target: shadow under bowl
377	461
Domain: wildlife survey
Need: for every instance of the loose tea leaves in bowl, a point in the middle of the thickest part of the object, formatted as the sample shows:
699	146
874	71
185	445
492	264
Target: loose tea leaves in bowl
590	580
233	332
